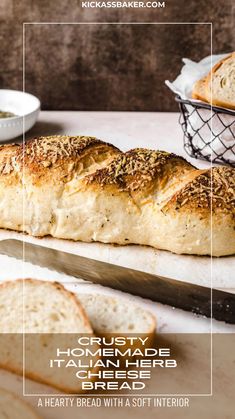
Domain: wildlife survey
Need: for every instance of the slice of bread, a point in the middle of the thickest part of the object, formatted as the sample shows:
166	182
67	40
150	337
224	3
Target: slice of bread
220	83
12	407
199	90
53	318
222	80
48	308
112	316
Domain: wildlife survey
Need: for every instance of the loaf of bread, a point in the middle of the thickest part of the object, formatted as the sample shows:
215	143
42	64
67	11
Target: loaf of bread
80	188
218	87
12	407
51	317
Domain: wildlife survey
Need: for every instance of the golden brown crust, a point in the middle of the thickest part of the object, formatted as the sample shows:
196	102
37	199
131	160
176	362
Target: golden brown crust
47	151
135	169
210	190
199	92
62	155
7	158
94	192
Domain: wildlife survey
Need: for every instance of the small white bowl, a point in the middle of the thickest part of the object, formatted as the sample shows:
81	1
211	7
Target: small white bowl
25	106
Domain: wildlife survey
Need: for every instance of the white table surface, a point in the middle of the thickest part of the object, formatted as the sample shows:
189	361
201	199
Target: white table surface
126	130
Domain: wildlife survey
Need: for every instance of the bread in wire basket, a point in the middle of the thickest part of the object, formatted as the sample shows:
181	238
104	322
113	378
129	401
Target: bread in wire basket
218	86
51	319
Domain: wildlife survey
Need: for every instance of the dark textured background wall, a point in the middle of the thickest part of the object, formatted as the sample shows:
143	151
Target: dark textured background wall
108	67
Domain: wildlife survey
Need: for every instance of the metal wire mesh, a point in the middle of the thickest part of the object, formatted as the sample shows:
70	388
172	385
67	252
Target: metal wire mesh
209	131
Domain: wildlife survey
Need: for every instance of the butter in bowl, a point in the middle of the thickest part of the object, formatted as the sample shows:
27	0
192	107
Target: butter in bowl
18	113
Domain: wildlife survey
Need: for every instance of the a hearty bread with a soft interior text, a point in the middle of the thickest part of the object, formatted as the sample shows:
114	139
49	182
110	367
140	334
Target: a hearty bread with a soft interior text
81	188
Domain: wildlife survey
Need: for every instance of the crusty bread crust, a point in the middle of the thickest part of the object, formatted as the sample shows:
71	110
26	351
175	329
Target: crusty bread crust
199	90
53	159
84	189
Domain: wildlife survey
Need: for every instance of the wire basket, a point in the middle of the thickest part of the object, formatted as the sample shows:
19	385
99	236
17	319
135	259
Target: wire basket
209	131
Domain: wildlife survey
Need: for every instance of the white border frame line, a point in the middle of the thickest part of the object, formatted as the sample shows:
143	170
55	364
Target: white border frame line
23	242
211	265
211	216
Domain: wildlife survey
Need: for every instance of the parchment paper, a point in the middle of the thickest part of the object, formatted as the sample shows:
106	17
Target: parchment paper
193	269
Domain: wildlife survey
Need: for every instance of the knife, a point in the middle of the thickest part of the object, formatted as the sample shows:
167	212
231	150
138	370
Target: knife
195	298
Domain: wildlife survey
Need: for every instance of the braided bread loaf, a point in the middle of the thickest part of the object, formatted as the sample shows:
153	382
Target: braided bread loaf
81	188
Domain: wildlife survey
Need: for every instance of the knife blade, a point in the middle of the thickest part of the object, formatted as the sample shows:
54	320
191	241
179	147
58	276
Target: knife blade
195	298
